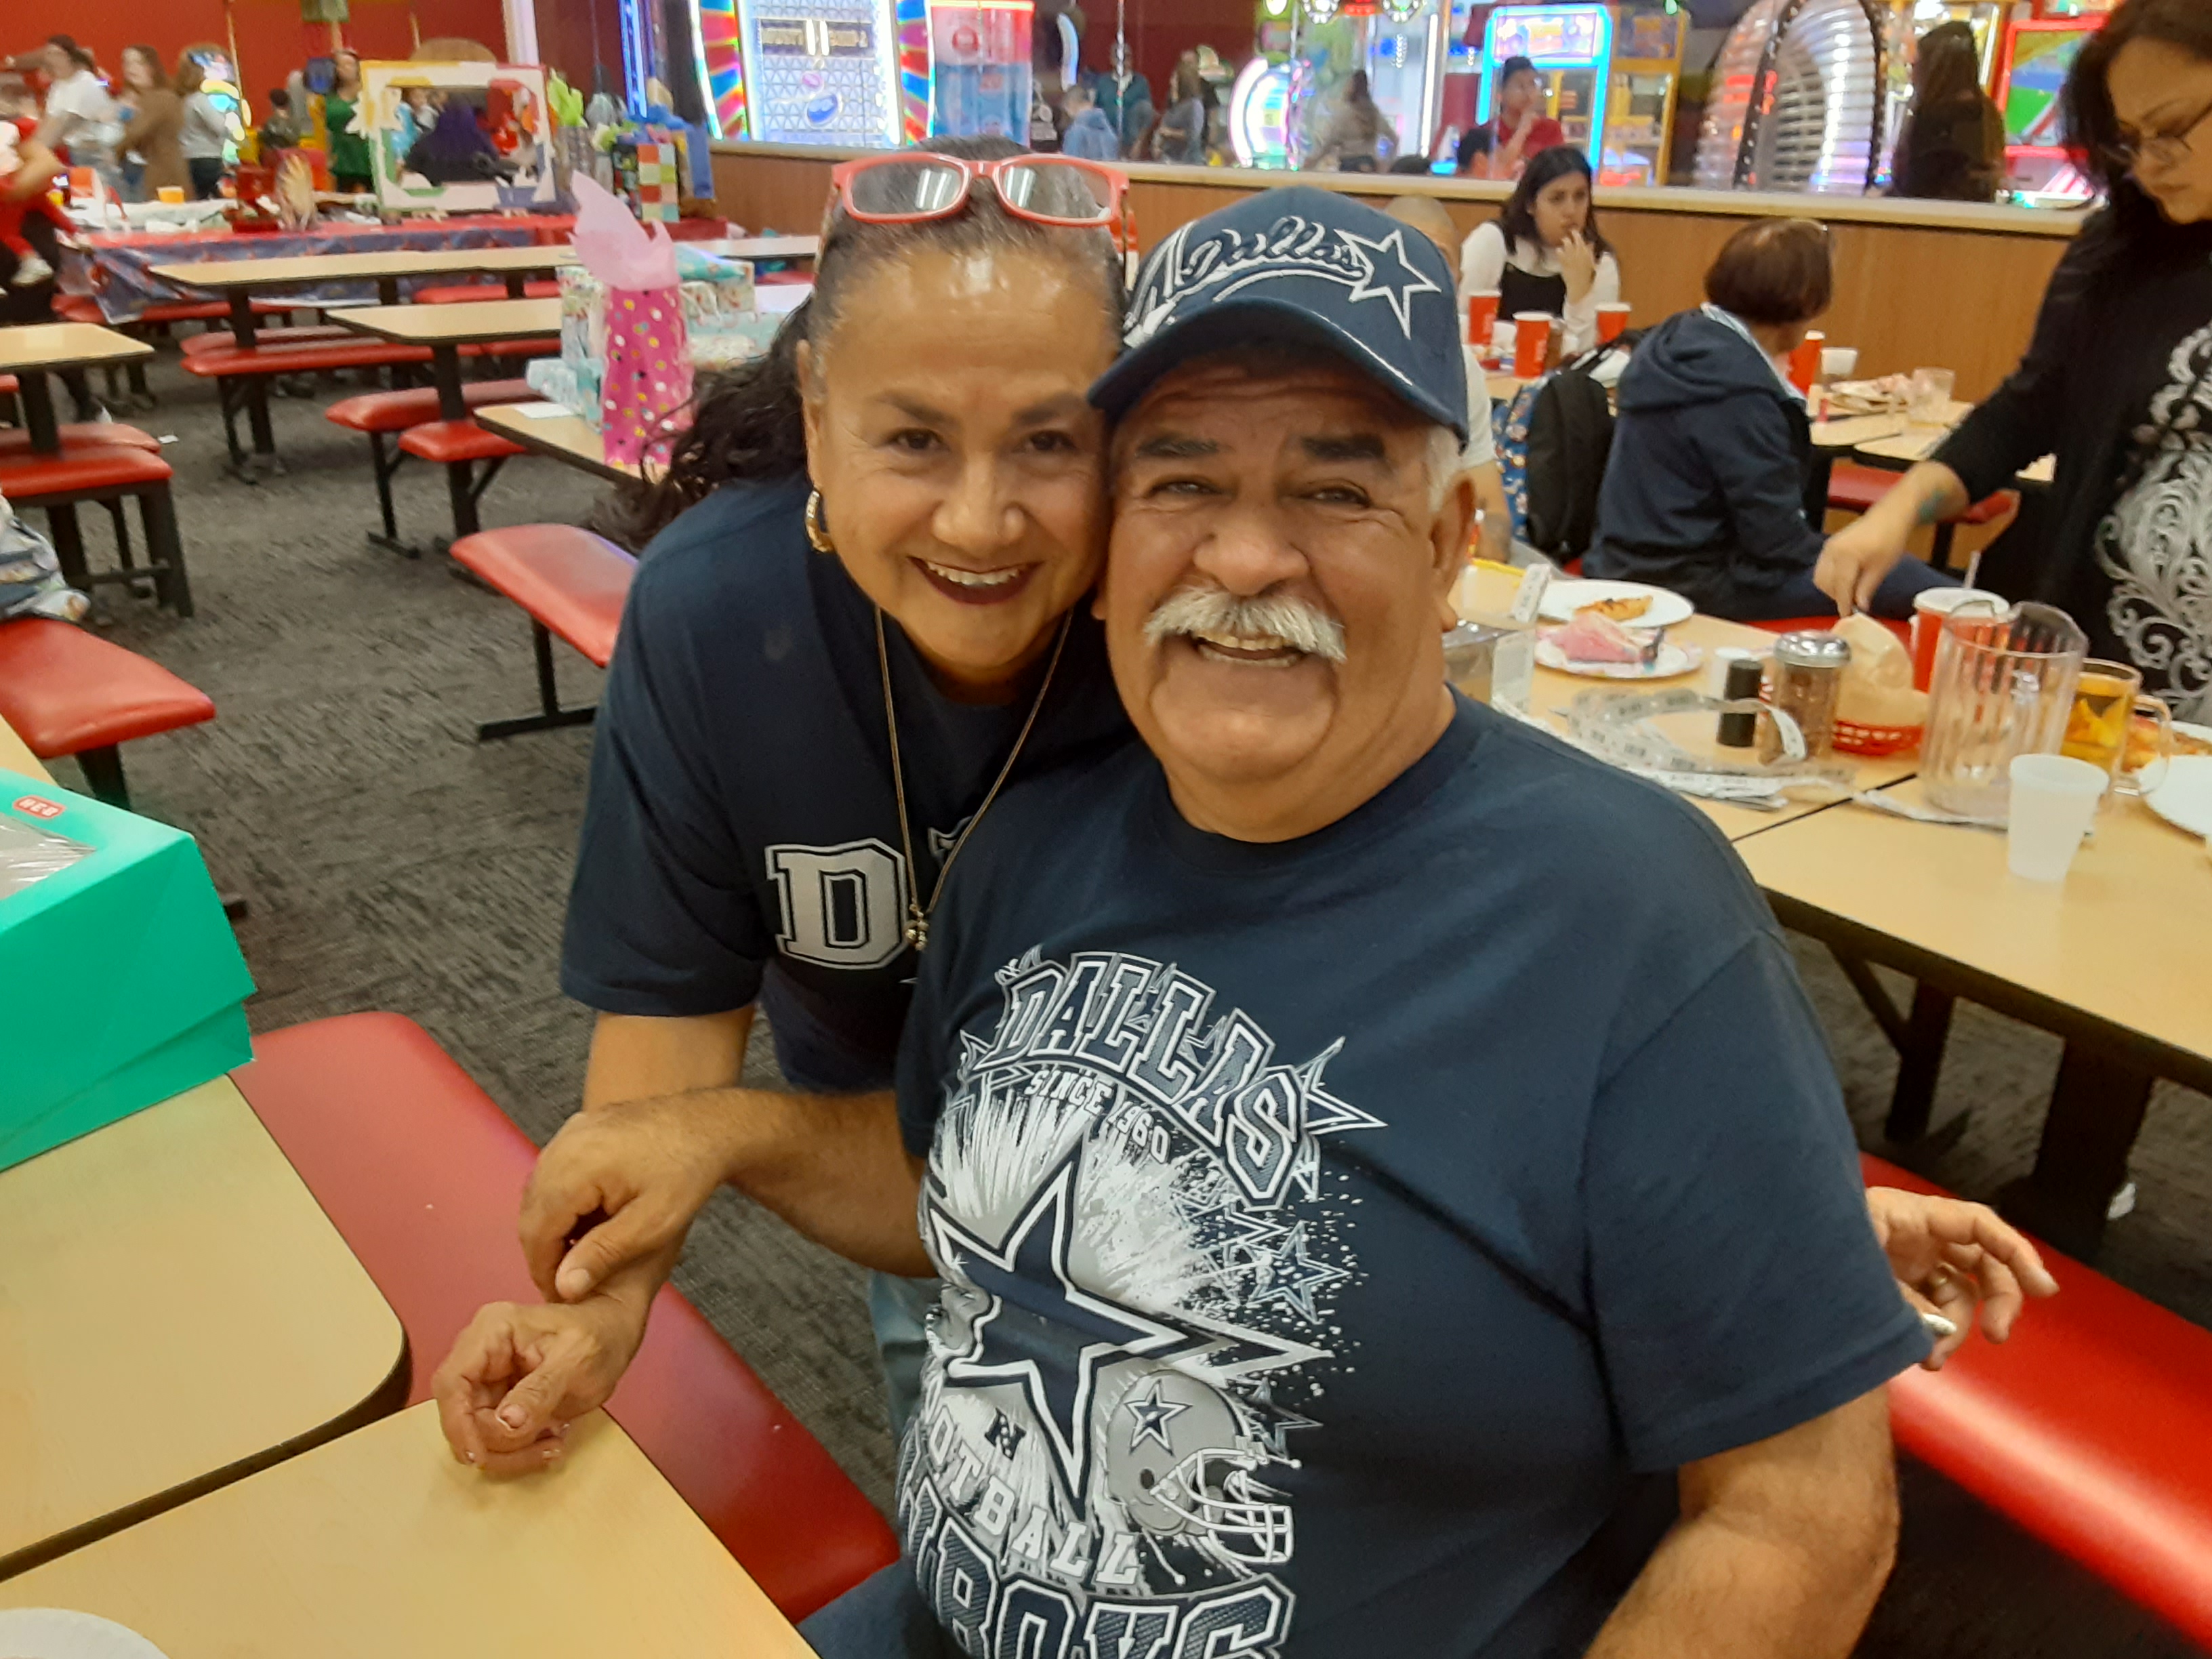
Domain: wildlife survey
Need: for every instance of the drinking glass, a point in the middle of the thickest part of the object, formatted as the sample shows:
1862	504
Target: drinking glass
1931	397
2002	686
2108	701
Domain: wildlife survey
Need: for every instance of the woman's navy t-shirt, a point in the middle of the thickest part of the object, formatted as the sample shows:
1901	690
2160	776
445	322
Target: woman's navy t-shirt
742	817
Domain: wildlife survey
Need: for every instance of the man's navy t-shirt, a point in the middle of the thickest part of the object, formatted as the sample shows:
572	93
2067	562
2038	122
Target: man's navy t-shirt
741	814
1348	1239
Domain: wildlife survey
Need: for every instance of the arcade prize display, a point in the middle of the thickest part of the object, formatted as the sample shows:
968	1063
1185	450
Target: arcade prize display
1281	103
458	137
1572	47
980	69
2032	64
1799	100
1639	102
816	71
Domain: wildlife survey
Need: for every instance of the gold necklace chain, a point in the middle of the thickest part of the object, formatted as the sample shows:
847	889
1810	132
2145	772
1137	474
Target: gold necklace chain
917	913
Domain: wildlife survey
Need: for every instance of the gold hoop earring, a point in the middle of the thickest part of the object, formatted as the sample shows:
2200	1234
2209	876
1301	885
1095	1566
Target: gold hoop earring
818	532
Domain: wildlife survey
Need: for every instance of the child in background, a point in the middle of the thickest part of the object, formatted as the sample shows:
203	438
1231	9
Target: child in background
19	119
280	130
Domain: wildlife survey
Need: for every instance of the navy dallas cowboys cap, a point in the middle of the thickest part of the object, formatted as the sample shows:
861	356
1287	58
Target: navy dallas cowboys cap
1299	267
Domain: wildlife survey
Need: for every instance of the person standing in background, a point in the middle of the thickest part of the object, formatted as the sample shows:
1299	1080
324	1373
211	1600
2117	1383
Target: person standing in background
1520	131
1090	134
78	104
206	134
1180	135
155	131
1353	143
351	170
280	128
1952	147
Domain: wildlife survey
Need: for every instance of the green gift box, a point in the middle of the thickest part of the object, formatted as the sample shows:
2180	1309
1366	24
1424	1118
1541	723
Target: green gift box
120	983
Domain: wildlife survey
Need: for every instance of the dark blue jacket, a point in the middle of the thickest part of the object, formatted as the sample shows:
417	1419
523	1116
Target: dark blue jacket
1704	492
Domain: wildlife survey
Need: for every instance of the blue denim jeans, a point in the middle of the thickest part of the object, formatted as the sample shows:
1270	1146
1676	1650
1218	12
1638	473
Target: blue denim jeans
883	1617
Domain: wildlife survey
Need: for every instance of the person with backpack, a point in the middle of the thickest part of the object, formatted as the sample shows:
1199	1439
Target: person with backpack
1704	492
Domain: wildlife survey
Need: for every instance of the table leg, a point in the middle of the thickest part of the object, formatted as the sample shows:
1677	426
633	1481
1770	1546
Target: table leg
256	416
446	368
461	491
243	321
69	546
1919	1064
2096	1111
38	395
387	290
515	289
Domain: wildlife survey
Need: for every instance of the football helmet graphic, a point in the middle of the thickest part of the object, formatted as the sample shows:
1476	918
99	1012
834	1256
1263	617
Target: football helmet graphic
1182	1464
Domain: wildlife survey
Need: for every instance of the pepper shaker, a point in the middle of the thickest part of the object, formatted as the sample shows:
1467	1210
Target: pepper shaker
1808	681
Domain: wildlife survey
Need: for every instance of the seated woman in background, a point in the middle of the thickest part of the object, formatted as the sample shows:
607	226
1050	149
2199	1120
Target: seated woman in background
1543	251
1952	147
1704	492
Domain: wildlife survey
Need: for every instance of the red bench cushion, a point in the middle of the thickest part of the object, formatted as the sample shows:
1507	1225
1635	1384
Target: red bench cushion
221	339
78	434
66	691
448	442
421	1174
455	294
538	348
26	477
356	351
10	385
1853	488
1822	624
569	579
2092	1429
395	412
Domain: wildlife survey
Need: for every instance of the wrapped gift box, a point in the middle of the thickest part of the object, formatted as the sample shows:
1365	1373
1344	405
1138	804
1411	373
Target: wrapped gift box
119	977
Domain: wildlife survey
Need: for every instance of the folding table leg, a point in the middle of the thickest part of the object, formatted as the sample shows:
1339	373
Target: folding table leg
68	545
550	714
385	464
172	586
2096	1110
103	775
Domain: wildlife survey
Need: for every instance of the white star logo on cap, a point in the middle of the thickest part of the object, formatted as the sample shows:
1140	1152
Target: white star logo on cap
1397	283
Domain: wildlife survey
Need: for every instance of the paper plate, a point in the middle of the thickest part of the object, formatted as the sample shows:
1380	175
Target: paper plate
1564	598
2184	800
1673	660
57	1633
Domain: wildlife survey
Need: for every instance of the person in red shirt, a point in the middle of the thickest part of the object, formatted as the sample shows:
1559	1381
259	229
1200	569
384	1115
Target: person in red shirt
1519	127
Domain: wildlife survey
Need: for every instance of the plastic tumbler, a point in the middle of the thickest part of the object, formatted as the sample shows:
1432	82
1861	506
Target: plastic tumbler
1839	362
2054	797
1611	320
170	195
1532	342
1481	316
1928	610
1805	360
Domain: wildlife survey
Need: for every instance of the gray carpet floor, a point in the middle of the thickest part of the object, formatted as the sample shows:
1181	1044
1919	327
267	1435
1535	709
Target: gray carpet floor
392	862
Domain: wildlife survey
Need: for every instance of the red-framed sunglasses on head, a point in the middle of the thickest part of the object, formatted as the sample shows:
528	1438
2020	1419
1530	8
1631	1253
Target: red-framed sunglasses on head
909	186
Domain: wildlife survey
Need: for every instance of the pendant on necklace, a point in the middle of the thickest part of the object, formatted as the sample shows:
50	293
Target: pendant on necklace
917	929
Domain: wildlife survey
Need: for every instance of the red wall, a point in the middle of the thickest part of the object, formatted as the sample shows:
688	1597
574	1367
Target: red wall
272	42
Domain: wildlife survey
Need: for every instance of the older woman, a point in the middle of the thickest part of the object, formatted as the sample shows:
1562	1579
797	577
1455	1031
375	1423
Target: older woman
155	130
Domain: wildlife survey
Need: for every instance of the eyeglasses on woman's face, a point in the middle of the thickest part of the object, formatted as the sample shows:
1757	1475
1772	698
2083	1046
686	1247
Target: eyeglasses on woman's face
2168	148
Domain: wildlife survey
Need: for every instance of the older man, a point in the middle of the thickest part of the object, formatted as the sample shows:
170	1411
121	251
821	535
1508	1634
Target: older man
1391	1192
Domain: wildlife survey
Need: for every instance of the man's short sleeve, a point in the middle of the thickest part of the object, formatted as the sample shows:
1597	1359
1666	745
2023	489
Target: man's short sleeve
663	919
1736	1285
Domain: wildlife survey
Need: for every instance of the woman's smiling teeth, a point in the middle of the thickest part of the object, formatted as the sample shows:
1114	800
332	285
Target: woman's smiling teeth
960	578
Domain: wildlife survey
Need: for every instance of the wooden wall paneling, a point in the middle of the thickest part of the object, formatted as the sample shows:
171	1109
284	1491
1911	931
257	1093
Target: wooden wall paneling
764	193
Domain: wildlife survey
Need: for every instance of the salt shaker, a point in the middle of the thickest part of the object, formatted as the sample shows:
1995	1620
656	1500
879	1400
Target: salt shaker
1807	680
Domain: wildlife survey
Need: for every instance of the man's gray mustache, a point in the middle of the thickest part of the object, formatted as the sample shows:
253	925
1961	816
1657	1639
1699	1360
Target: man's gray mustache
1215	610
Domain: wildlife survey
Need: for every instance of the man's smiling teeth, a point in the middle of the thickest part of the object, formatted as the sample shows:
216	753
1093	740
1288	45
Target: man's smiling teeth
971	578
1256	650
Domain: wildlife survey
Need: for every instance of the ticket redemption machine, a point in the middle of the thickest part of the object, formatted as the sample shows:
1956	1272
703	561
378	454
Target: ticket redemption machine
2032	61
1800	101
1639	102
815	71
980	82
1572	47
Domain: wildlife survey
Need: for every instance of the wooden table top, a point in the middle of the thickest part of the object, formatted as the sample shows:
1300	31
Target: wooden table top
1918	443
764	247
65	345
304	269
15	756
468	324
379	1544
2123	938
175	1311
564	436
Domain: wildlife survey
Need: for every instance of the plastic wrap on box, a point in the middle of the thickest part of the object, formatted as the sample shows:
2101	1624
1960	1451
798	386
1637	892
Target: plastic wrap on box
555	381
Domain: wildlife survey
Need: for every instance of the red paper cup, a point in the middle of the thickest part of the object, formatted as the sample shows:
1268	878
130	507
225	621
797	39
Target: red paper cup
1611	320
1805	361
1532	342
1481	317
1929	609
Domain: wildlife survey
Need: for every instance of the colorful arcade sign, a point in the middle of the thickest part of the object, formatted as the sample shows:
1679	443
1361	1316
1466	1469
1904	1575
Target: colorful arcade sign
1572	47
815	71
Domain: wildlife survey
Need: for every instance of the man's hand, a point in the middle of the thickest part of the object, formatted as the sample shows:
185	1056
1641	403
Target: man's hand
1578	264
518	1376
1949	1255
646	1167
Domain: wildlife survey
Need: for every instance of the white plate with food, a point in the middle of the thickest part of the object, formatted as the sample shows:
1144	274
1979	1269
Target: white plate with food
2183	796
59	1633
1637	605
1672	660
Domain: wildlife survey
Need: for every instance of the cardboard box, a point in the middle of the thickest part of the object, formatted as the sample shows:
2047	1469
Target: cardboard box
121	982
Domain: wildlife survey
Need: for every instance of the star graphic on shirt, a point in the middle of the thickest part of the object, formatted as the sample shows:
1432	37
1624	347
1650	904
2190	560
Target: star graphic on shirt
1042	1333
1398	281
1291	1277
1152	1415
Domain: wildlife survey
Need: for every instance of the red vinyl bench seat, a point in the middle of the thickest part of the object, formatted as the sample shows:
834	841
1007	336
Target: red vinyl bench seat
422	1174
80	434
221	339
353	351
456	293
26	477
68	692
1822	624
2091	1429
451	443
1855	488
547	347
572	586
395	412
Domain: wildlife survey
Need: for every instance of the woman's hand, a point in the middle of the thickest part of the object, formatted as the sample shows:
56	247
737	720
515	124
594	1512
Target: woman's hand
643	1168
1858	557
1949	1255
518	1376
1578	264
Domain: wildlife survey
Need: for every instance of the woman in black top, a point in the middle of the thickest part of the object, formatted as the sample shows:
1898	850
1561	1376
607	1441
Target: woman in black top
2118	380
1952	146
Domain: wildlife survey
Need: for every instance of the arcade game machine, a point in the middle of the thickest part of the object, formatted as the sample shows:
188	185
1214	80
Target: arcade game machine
814	71
1799	100
2032	65
1571	47
980	87
1639	103
1260	99
1285	96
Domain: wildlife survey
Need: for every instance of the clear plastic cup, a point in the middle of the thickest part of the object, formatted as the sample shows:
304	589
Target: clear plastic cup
1839	362
2054	800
